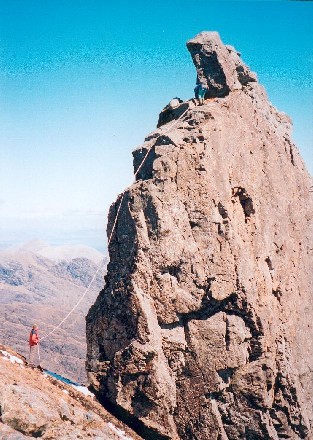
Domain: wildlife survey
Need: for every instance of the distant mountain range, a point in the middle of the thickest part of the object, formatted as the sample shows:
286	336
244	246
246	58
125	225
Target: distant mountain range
39	284
57	253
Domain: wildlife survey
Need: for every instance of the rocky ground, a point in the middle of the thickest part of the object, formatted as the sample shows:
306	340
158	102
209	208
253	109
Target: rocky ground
34	405
204	327
41	290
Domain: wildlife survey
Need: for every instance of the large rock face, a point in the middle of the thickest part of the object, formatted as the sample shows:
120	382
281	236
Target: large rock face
204	327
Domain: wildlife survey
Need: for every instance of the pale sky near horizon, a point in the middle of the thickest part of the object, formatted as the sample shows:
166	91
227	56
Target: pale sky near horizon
82	83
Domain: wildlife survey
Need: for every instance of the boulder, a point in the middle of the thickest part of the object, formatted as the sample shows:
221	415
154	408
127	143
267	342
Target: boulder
219	67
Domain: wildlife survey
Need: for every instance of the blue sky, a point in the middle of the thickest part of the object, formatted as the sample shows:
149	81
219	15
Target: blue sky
83	82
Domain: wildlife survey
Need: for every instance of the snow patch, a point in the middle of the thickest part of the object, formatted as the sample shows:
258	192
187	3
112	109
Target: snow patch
11	358
83	390
119	432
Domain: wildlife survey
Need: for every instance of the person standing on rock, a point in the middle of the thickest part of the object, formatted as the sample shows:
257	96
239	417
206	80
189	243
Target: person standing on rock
200	91
33	344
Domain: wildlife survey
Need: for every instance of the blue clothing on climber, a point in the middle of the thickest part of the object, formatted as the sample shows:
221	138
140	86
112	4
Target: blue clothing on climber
200	91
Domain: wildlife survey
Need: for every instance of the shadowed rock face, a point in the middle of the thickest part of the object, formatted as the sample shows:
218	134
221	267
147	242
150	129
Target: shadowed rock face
204	327
218	67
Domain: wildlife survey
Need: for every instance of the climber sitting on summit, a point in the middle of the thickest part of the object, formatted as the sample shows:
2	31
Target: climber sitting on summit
200	91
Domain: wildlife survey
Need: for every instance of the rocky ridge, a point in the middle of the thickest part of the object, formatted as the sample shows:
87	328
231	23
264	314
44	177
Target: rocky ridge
204	327
34	405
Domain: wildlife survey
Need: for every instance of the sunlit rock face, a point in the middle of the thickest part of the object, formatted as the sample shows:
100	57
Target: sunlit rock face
204	327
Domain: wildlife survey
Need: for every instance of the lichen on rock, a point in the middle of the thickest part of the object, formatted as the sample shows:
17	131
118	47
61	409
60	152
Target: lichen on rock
202	328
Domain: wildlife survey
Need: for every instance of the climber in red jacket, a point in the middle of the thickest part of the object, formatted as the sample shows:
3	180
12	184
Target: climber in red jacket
33	343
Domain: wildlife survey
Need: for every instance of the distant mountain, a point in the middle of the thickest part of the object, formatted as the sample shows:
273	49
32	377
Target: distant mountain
41	290
58	253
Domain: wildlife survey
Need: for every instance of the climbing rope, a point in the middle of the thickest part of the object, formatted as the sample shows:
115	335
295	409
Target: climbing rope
112	230
76	305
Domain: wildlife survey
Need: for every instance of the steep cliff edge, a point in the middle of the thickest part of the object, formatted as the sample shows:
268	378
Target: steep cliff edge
204	327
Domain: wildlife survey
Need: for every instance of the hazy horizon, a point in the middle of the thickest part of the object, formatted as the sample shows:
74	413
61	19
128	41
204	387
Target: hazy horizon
80	238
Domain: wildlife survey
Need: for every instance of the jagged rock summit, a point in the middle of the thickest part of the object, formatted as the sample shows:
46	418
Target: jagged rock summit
204	327
218	67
